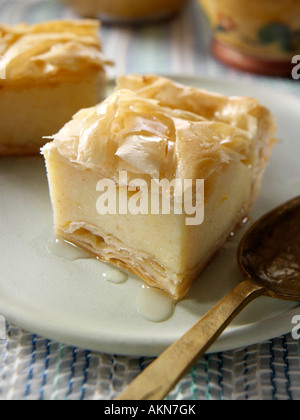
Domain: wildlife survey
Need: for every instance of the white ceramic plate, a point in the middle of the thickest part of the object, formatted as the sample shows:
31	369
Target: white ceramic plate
68	301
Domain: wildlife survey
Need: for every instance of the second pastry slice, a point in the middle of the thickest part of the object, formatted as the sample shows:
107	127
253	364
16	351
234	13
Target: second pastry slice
48	71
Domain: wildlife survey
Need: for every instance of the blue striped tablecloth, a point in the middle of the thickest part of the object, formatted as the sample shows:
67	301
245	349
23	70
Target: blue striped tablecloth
35	368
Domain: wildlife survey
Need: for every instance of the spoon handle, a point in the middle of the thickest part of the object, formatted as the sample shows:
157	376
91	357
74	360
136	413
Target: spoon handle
156	382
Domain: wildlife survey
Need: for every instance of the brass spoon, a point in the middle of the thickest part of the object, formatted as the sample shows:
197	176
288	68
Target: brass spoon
269	256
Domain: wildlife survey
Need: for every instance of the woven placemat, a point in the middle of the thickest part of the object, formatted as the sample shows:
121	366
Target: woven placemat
34	368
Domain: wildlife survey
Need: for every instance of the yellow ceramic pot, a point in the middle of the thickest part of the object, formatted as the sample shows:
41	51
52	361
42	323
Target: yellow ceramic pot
126	10
255	35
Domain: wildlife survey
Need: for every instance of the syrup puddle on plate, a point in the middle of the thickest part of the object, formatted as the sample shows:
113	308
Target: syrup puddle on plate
114	276
63	249
154	305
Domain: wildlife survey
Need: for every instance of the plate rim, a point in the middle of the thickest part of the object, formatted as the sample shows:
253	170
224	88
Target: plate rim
228	341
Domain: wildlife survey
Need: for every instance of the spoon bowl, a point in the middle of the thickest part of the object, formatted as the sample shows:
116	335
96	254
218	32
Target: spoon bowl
269	257
269	253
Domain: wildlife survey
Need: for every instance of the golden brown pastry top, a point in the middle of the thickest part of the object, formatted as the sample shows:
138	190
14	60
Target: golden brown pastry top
153	127
53	50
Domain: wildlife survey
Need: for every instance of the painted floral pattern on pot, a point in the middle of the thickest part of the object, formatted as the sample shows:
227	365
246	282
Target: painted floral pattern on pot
282	34
267	29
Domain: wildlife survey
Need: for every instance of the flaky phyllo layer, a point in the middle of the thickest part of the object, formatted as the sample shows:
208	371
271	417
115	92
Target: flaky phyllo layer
155	129
165	132
49	50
